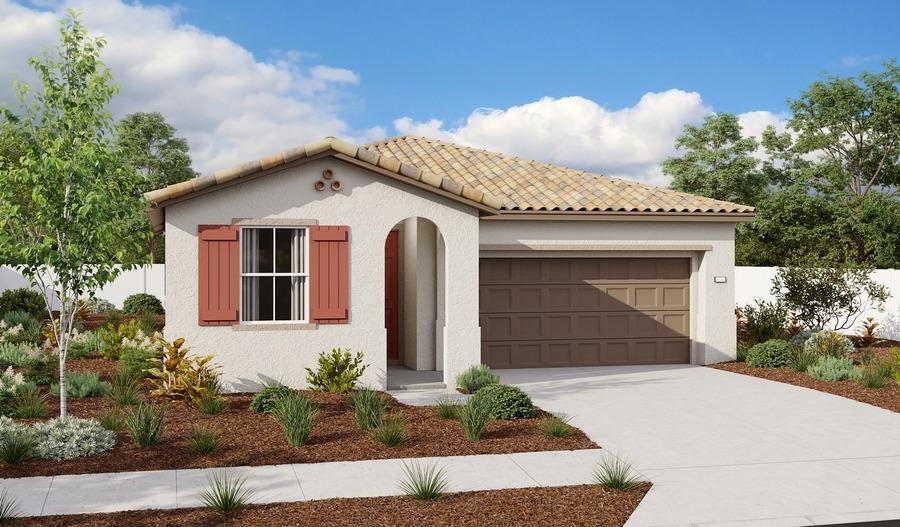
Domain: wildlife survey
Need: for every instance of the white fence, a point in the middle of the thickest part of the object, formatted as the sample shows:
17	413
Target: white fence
750	283
147	279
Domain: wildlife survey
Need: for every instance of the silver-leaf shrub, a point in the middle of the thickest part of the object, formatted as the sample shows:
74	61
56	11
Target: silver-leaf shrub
72	437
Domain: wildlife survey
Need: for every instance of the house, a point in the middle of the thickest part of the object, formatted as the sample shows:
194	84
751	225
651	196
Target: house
431	257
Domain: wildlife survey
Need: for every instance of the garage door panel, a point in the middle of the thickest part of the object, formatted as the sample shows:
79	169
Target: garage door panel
601	352
554	326
582	297
562	270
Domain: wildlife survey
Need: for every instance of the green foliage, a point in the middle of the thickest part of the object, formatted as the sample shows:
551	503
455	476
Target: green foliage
113	335
224	493
828	296
423	482
112	420
475	416
23	300
296	415
212	404
267	398
614	473
72	437
368	407
770	354
337	371
136	361
99	305
803	359
764	321
140	303
506	402
21	328
875	374
391	431
125	389
85	344
717	162
476	377
180	375
9	506
829	368
17	446
29	403
741	351
894	361
205	440
556	426
17	355
68	201
83	384
145	422
829	343
447	407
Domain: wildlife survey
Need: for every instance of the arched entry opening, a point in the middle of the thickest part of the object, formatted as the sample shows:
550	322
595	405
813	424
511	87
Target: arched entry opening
414	309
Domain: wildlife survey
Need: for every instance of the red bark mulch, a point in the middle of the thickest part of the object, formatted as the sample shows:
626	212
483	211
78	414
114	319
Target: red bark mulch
256	439
584	505
887	397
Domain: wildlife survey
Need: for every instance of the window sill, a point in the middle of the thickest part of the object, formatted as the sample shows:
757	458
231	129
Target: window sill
274	327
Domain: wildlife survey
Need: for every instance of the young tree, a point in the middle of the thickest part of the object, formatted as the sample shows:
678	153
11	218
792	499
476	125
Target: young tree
66	234
717	162
150	145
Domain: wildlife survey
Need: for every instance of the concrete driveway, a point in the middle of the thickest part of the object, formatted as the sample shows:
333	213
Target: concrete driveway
727	448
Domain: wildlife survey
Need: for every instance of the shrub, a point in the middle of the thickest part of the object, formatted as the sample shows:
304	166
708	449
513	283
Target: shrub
72	437
799	339
84	344
474	417
556	426
113	335
874	374
17	355
614	473
803	359
24	300
475	378
29	403
368	407
828	368
99	305
82	384
145	422
741	351
205	440
423	482
9	506
17	446
337	371
265	400
447	407
136	361
764	321
829	343
296	415
42	369
894	362
770	354
506	402
181	376
140	303
211	404
224	493
30	328
112	420
868	333
125	389
11	382
391	431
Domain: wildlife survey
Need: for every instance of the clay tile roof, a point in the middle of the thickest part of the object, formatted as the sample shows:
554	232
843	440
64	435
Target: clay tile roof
525	185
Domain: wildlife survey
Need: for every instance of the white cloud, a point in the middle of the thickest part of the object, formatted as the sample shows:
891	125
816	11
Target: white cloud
754	124
852	61
229	104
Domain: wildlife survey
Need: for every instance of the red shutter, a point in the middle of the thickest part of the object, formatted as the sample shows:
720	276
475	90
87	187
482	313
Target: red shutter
219	273
329	274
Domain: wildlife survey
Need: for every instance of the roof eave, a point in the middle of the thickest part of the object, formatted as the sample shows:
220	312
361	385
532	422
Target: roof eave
726	217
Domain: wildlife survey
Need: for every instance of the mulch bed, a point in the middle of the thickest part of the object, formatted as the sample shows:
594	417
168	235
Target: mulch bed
887	397
559	506
256	439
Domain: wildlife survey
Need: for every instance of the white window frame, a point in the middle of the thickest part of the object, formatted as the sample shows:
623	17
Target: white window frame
304	274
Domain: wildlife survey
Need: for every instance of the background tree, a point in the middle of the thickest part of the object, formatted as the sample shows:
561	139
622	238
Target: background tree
66	234
717	162
150	145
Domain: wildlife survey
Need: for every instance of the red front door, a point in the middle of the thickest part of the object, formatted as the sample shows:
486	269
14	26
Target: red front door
391	294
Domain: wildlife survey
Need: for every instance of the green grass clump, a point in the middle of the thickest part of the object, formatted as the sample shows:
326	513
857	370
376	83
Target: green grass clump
614	473
556	426
803	359
125	389
212	404
224	493
296	415
29	403
9	506
265	400
447	407
474	417
17	446
423	482
368	407
475	378
82	384
145	423
112	420
205	440
391	431
875	374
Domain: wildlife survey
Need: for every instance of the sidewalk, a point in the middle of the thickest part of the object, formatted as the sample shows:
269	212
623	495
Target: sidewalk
169	489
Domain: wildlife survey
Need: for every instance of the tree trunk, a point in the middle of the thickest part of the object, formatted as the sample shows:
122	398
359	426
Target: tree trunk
63	342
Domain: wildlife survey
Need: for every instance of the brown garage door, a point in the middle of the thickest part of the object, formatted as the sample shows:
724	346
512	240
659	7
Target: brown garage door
538	312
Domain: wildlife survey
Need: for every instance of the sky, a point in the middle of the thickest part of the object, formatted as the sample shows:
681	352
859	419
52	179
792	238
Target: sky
600	86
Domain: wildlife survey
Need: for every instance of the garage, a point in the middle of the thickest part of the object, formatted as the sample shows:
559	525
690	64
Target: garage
551	312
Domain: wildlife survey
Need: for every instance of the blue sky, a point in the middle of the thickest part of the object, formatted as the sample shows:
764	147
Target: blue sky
602	86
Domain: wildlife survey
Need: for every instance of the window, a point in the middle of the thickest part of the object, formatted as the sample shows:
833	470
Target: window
273	274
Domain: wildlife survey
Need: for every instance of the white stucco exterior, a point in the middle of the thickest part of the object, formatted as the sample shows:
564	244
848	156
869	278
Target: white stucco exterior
371	205
439	271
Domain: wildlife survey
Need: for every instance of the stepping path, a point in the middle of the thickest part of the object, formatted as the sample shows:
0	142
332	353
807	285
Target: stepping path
170	489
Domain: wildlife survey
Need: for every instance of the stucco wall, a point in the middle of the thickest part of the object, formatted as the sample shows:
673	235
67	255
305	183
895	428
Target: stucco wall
712	304
371	205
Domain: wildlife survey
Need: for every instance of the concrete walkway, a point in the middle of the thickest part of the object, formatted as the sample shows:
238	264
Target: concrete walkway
169	489
723	448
